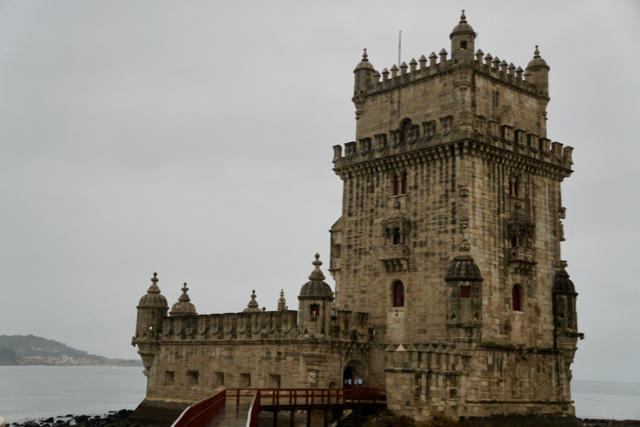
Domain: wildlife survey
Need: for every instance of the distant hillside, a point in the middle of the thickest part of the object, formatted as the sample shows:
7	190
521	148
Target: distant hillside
8	356
30	346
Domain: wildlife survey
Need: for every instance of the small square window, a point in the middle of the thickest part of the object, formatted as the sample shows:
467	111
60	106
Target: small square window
245	380
169	377
274	381
192	377
218	378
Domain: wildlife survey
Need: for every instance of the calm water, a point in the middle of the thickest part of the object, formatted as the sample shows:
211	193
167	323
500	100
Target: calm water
28	392
48	391
606	400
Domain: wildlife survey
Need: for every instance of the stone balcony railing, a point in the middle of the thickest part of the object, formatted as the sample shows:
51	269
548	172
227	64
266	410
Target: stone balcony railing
520	254
521	259
395	257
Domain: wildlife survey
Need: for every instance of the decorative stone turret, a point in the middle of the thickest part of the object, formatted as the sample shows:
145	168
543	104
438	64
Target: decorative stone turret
152	308
282	302
565	317
462	41
537	72
314	304
183	307
464	305
253	306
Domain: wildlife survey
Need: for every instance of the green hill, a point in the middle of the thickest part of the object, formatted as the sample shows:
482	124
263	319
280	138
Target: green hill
30	346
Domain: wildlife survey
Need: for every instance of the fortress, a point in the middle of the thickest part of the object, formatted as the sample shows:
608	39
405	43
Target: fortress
450	292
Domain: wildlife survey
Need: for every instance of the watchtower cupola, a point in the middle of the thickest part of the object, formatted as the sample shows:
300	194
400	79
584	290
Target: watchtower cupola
315	302
184	306
462	41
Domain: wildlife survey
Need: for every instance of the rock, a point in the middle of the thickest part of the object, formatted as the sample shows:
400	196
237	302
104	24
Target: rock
49	420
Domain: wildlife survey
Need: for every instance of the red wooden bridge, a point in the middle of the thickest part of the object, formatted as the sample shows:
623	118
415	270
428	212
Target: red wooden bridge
207	411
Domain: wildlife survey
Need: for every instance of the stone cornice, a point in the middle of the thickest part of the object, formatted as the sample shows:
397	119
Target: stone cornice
458	148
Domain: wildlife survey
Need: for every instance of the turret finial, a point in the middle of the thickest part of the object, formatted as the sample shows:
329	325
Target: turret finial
463	19
536	53
253	306
184	296
154	289
316	274
282	302
365	56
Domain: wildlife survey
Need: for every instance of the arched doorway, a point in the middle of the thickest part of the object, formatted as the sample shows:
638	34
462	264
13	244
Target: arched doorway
354	375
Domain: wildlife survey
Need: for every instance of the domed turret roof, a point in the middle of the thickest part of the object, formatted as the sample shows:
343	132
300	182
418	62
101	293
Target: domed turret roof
537	60
463	268
316	288
563	283
253	306
183	307
153	298
462	27
365	62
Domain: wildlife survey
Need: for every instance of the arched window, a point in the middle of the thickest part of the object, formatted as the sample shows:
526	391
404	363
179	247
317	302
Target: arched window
398	294
514	186
396	184
516	298
315	310
399	183
403	183
514	241
404	130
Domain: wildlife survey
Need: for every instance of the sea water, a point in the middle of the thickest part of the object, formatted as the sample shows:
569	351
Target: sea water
35	392
30	392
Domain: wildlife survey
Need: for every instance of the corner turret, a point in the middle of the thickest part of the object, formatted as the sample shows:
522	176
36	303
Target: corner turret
364	72
315	301
152	308
537	73
462	41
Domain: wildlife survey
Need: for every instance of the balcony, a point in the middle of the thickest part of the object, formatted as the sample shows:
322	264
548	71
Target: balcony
521	259
395	257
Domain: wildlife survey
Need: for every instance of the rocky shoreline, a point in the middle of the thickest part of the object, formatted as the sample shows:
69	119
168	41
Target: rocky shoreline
112	419
120	419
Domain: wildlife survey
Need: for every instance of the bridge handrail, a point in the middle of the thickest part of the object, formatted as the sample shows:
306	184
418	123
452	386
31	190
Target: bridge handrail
308	397
254	411
198	414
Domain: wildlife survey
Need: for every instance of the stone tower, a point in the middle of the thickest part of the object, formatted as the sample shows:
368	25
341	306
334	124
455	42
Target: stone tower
450	235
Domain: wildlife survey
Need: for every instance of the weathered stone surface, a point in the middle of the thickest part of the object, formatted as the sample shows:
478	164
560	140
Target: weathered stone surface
446	260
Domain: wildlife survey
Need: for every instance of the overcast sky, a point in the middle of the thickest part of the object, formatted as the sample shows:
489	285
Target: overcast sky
194	139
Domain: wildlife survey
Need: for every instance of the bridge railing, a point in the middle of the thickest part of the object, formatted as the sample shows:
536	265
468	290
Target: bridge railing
275	398
254	411
198	414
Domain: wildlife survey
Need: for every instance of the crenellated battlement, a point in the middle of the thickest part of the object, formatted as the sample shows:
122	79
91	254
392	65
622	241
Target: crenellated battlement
258	326
422	69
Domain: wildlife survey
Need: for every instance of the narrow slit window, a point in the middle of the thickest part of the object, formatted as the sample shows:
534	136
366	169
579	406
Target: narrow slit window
404	134
515	296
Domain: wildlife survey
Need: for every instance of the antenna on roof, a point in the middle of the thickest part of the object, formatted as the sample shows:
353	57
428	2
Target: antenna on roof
399	47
